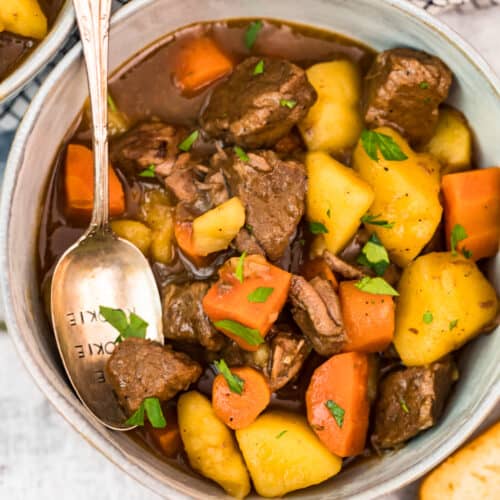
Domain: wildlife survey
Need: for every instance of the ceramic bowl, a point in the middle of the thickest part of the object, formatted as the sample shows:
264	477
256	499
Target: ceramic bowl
43	53
382	24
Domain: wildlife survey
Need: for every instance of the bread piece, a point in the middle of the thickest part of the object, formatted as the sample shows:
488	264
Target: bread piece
471	472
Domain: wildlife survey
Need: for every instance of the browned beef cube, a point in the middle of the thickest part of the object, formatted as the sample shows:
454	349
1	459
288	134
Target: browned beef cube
257	110
140	369
410	401
403	90
316	310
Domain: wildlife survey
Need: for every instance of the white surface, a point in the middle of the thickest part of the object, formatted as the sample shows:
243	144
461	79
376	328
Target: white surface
41	457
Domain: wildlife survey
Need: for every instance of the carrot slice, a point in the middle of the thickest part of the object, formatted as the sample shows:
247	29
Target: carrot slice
200	62
319	267
337	403
79	184
183	232
368	318
167	439
240	410
230	299
472	199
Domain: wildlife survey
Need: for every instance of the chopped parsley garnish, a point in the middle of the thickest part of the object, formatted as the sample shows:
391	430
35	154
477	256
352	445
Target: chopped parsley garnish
260	294
423	85
374	221
281	434
234	382
133	326
252	33
317	228
188	142
112	104
458	234
377	286
427	317
336	411
466	253
239	273
148	172
152	408
288	103
249	335
259	68
374	255
249	228
404	406
453	324
373	141
240	152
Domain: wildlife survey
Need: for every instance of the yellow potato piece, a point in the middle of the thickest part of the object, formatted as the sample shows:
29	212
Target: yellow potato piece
459	298
23	17
210	445
136	232
406	193
214	230
451	143
337	197
283	454
334	123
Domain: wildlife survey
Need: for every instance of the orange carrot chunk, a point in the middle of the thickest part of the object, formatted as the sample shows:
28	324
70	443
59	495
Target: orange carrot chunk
250	292
240	410
168	439
79	184
337	403
472	199
368	318
183	232
200	62
319	267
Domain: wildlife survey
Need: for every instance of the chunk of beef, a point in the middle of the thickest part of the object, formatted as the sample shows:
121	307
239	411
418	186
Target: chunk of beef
183	316
410	401
257	110
140	369
337	265
149	143
273	193
403	90
246	242
316	310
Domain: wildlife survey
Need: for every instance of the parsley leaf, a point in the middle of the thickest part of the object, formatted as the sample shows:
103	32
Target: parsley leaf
458	234
427	317
374	255
453	324
251	33
134	326
404	406
239	273
317	228
423	85
336	411
373	141
112	104
373	220
188	142
376	286
259	68
260	294
466	253
281	433
249	335
152	408
288	103
240	152
148	172
234	382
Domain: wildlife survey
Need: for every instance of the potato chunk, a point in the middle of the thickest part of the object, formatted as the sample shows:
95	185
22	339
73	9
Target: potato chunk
23	17
210	446
406	193
444	301
334	122
451	143
283	454
136	232
337	197
214	230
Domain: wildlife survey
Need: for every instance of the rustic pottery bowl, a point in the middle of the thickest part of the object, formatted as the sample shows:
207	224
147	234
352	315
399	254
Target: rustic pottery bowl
381	24
43	53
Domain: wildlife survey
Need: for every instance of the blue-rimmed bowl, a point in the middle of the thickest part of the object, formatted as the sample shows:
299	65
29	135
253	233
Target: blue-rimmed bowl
381	24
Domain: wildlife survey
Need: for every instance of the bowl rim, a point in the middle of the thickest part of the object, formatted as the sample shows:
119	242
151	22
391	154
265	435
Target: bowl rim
41	55
91	434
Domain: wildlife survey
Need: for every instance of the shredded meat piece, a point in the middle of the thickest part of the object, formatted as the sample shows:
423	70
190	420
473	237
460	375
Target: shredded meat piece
338	265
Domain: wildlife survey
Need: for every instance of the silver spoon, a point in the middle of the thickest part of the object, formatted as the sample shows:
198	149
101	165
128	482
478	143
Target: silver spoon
100	268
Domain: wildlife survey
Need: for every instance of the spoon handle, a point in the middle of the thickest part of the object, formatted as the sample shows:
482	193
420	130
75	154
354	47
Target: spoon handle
93	22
